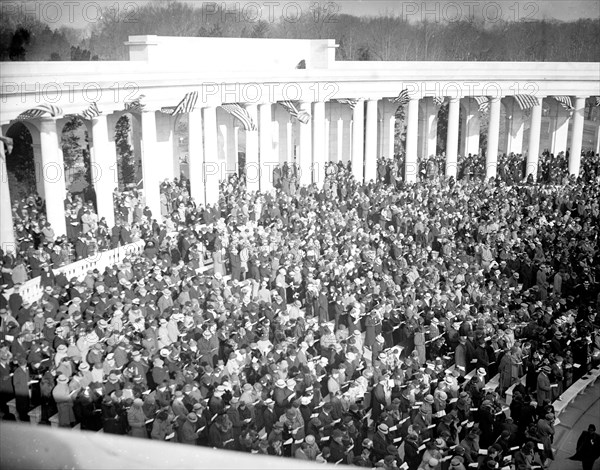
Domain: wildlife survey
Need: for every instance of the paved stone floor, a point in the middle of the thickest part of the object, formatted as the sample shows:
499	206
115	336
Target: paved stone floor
584	410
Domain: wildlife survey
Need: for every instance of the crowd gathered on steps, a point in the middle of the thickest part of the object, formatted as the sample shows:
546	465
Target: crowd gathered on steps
357	323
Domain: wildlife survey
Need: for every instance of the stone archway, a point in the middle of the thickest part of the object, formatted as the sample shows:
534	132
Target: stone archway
24	163
75	144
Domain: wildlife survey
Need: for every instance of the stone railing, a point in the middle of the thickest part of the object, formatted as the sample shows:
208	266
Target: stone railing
32	290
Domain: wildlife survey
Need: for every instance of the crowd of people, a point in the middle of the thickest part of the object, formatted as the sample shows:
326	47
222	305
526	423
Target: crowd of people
353	323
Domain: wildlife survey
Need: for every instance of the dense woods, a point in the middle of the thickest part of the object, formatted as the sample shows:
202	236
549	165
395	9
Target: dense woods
383	37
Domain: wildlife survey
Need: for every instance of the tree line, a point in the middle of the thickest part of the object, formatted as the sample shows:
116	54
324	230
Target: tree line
384	37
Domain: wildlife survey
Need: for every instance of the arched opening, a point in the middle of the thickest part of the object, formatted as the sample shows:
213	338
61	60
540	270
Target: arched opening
20	164
129	166
400	127
76	155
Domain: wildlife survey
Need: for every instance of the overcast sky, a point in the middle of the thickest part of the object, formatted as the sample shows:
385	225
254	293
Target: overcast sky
80	13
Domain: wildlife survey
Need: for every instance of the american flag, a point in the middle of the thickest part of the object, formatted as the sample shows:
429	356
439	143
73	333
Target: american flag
40	111
91	112
597	101
136	105
9	144
565	102
242	114
526	101
439	100
291	108
483	102
402	98
349	101
186	105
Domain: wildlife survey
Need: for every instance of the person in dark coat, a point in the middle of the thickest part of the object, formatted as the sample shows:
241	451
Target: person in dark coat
588	448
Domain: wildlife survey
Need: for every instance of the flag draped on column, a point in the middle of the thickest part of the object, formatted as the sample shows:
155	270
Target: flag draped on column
565	102
8	142
402	98
483	102
597	101
186	105
300	115
40	111
439	100
89	113
352	102
136	105
526	101
242	115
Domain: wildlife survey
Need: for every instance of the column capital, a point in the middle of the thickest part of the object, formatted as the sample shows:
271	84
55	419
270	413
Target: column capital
48	119
454	99
99	117
495	99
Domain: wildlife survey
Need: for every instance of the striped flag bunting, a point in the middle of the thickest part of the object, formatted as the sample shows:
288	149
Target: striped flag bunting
9	144
565	102
402	98
136	105
439	100
91	112
597	101
526	101
242	115
40	111
300	115
349	101
483	102
186	105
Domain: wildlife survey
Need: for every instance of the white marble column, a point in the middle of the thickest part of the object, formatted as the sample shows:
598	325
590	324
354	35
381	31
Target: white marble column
152	163
53	174
212	170
320	141
515	126
165	130
533	152
265	135
104	169
252	161
470	128
412	128
491	158
577	136
196	156
387	128
598	139
428	127
371	142
7	234
452	138
559	128
305	143
358	140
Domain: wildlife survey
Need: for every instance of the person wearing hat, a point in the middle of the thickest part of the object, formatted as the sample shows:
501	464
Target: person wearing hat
162	426
136	419
587	448
471	445
21	389
186	433
545	432
64	402
430	464
456	463
461	360
543	390
381	441
337	447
